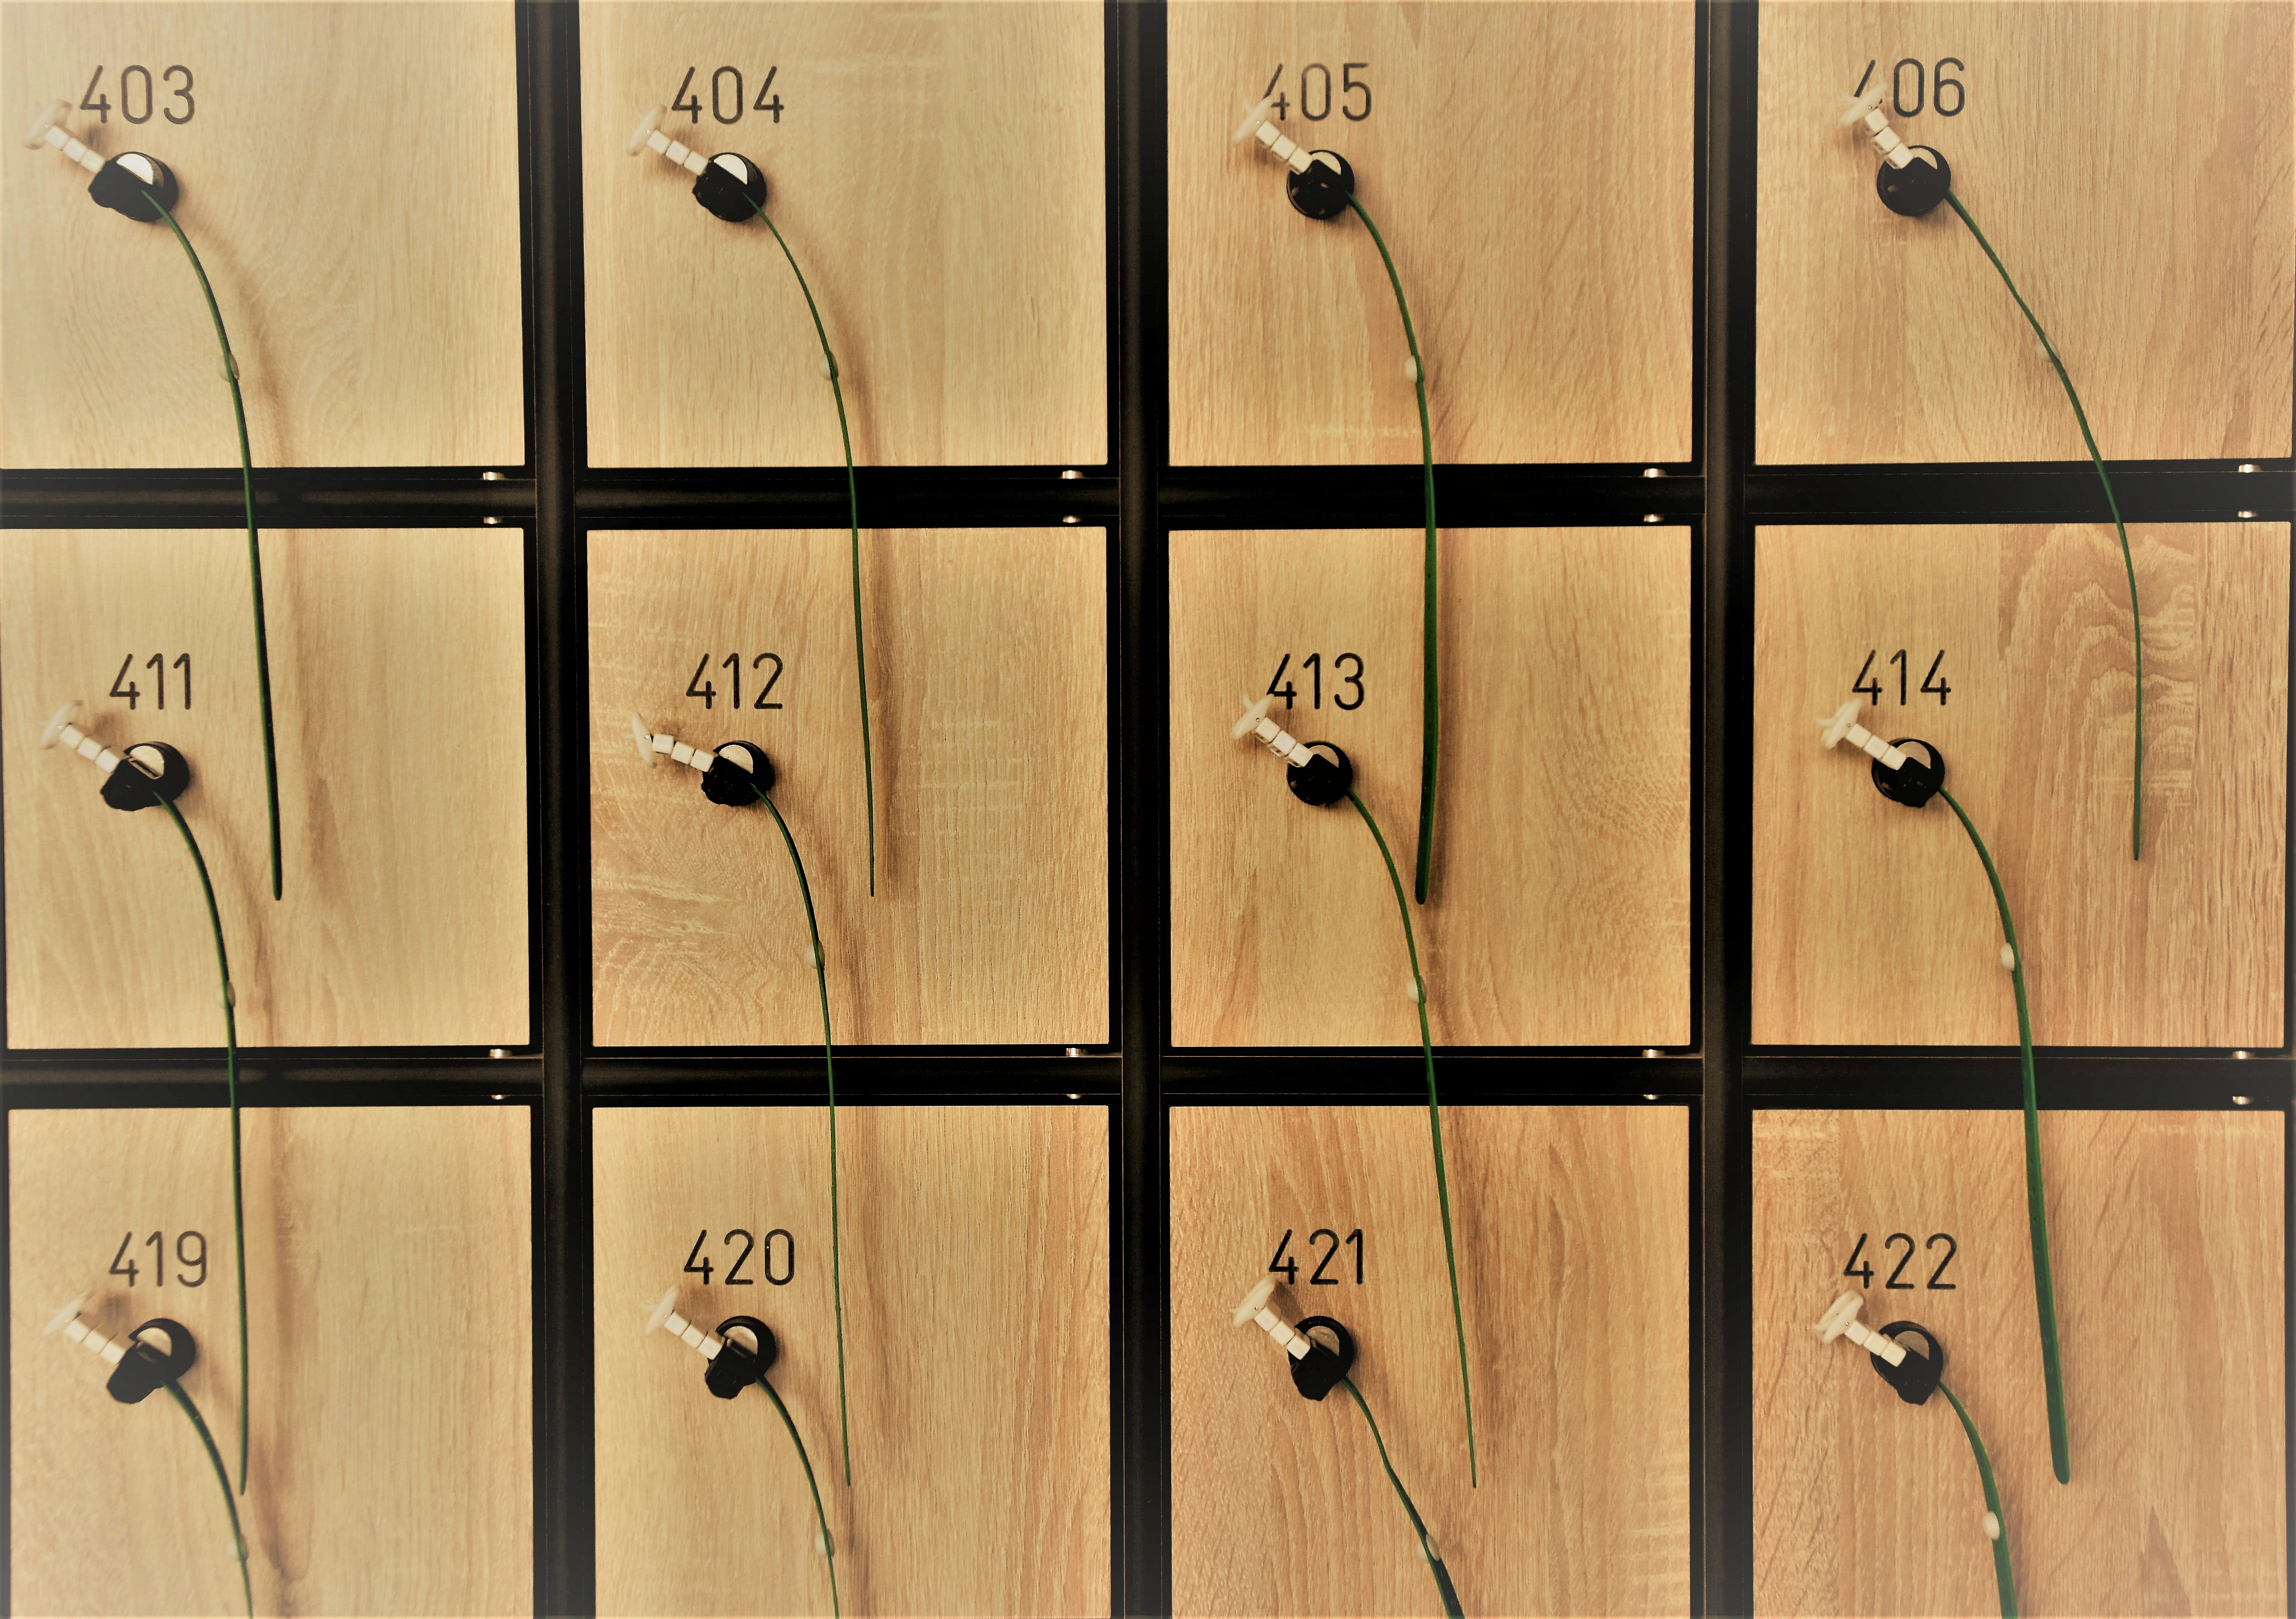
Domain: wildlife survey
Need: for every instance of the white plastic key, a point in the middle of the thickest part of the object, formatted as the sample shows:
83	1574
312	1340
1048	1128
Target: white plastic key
654	745
648	136
67	1321
708	1345
63	726
1254	1308
1840	1321
1256	725
47	130
1257	126
1865	111
1842	726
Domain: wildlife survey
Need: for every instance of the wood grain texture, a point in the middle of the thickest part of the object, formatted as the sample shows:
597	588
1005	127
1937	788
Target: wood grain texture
389	1310
349	178
976	1276
1560	908
1875	925
986	686
2131	165
399	686
937	172
2165	1235
1573	1229
1530	167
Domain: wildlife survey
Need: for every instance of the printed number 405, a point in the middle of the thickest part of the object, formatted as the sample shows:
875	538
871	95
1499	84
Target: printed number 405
1289	1269
1865	1273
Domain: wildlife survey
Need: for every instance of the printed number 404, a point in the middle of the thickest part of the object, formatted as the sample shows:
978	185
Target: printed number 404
1289	1269
1865	1273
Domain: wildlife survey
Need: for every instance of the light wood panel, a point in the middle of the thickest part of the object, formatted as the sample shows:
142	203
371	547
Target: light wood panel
2130	164
1573	1229
975	1257
390	1318
2165	1238
1536	197
1560	908
988	654
937	172
1874	924
398	688
349	178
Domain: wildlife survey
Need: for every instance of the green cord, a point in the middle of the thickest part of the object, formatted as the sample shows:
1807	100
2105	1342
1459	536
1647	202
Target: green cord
2005	1582
254	547
2127	562
1443	1585
853	509
1431	708
1435	1126
829	1062
828	1543
2037	1211
231	1079
223	1482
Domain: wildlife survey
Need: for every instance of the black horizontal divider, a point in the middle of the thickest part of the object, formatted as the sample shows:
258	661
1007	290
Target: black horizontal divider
1140	498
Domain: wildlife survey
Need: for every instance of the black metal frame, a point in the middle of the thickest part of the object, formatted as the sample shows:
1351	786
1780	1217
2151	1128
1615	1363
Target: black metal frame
1137	496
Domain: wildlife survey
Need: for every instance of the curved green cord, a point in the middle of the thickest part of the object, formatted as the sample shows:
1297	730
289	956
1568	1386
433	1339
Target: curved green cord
1435	1127
2127	562
254	550
231	1080
829	1062
223	1482
2003	1580
853	507
1431	709
1443	1586
2037	1210
828	1541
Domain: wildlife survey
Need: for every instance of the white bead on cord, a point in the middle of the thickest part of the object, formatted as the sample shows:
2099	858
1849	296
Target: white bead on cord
67	1321
1865	110
47	130
652	745
1843	724
63	726
1841	1320
648	134
708	1345
1254	1308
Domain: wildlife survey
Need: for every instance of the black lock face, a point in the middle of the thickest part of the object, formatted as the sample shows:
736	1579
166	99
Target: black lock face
1319	1371
737	1366
147	1365
122	182
1322	192
732	774
1917	1379
1915	782
1323	780
131	787
731	187
1917	188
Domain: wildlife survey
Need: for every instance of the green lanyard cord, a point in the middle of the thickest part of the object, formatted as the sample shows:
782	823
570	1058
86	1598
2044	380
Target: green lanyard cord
231	1080
223	1483
1443	1586
828	1544
2037	1208
1435	1128
1431	708
829	1063
2127	562
853	511
2003	1580
254	546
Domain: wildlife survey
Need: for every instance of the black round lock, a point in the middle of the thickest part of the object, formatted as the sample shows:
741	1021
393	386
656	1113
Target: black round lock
735	1367
1322	192
122	182
731	187
1917	188
144	769
1917	1379
1915	782
145	1367
1319	1371
1321	782
740	772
